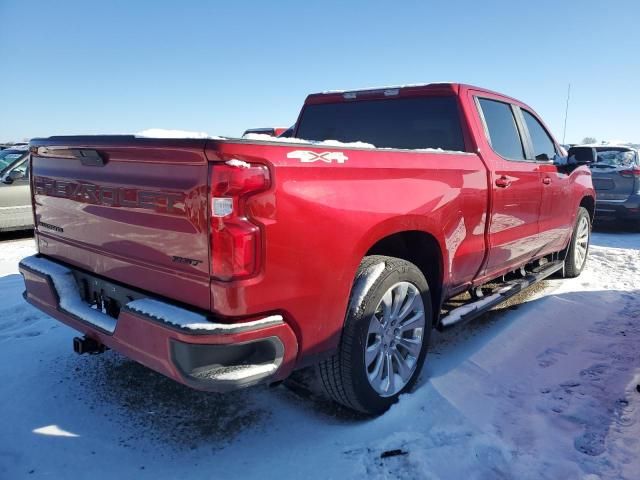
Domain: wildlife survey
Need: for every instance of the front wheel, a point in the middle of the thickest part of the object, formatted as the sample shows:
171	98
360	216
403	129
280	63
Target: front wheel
385	336
576	257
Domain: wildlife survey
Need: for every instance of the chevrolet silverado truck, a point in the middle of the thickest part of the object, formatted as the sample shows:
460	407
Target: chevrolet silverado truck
223	263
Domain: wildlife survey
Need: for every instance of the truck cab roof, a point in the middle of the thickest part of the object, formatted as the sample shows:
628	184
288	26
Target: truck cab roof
399	90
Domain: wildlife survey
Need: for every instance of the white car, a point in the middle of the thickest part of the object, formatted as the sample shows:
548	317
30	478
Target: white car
15	193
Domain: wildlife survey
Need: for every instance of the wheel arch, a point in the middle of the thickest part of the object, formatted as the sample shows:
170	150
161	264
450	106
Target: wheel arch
589	203
423	250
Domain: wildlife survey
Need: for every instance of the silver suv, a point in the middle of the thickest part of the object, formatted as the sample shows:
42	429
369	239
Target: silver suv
15	195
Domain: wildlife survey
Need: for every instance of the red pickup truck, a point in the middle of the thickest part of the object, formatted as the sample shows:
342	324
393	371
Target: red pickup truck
223	263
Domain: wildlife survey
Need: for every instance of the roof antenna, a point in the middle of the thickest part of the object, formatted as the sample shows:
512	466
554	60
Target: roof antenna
566	113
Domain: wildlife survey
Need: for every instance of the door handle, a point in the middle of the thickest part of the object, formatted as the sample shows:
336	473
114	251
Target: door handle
546	180
503	182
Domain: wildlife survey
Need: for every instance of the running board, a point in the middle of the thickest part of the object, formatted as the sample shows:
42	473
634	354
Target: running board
473	310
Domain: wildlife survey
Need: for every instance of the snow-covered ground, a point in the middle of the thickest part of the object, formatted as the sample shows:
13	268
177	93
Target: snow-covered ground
548	388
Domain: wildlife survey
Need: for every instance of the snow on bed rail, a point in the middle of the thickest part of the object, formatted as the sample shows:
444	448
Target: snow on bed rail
167	133
182	318
338	144
69	294
263	137
324	143
269	138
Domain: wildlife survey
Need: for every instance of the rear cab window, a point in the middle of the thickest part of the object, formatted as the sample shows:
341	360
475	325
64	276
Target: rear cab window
420	122
502	129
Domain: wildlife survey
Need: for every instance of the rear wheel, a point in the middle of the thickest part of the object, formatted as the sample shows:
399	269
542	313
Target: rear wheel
576	257
385	336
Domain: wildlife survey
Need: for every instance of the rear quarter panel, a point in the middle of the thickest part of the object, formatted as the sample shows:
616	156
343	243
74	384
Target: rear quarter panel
581	187
319	220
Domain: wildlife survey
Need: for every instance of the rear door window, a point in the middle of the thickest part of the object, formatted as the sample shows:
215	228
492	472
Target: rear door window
502	129
410	123
543	146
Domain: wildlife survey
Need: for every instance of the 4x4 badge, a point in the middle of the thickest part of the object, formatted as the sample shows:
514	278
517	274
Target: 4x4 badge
306	156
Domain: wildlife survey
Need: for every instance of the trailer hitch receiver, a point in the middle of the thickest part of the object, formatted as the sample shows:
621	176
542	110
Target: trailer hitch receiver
88	345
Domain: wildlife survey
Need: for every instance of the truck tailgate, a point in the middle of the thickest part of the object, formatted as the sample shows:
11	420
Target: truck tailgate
130	209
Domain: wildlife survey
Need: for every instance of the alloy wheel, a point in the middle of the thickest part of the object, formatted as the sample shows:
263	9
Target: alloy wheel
394	339
582	242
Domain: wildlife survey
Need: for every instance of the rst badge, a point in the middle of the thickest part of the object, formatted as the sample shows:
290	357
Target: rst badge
306	156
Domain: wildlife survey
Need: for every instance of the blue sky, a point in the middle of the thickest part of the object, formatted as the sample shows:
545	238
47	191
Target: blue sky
84	67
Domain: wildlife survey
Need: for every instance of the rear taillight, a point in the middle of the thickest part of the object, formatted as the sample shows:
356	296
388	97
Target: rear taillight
631	172
236	242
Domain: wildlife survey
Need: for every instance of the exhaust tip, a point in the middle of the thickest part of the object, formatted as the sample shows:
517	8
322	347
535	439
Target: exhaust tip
87	345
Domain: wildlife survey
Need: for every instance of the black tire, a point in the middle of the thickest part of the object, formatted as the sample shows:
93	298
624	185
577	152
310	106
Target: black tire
344	375
572	264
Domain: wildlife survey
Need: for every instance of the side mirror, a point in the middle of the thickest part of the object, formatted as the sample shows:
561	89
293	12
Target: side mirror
582	155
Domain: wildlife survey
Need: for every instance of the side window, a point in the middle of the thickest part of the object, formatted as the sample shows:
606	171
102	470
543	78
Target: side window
543	146
502	129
